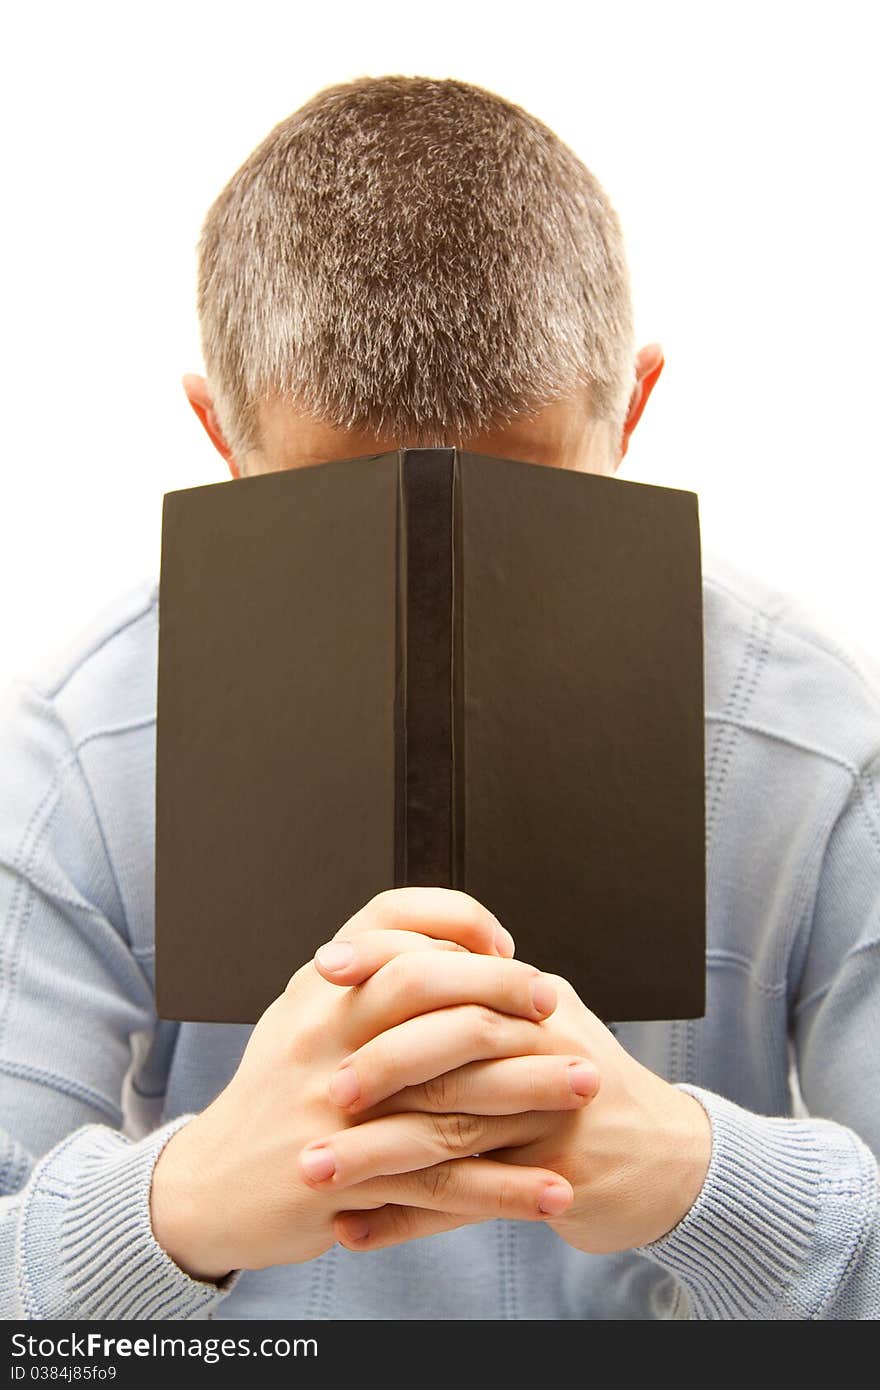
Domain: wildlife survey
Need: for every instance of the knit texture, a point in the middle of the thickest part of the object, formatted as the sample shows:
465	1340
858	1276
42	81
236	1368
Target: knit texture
92	1083
786	1206
85	1216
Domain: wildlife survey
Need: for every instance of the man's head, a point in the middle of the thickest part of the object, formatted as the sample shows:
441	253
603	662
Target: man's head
416	261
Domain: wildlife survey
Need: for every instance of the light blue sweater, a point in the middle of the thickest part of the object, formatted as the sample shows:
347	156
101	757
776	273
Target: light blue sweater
787	1223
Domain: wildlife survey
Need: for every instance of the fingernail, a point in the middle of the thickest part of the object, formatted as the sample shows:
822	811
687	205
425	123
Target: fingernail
582	1078
554	1199
504	942
543	994
318	1163
336	955
345	1087
356	1228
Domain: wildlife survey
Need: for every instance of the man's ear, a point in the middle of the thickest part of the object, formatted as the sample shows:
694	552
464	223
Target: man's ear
649	365
196	388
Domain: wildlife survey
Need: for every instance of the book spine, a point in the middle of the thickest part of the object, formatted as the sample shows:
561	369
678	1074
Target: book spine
457	697
427	818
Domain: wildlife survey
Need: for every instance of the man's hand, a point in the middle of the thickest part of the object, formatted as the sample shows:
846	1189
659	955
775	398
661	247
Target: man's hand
430	978
636	1157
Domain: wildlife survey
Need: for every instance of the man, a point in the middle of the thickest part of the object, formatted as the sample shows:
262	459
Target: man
422	1125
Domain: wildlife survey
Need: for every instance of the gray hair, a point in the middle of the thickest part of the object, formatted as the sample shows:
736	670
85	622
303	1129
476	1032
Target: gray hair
416	257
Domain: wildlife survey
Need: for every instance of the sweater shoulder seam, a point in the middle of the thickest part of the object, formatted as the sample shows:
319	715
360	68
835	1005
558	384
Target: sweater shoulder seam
780	616
144	608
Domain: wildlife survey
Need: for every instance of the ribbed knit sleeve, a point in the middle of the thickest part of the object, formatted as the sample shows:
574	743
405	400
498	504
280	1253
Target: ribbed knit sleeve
75	1234
79	1240
786	1225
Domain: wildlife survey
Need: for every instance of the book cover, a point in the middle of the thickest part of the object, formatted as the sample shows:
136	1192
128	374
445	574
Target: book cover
430	667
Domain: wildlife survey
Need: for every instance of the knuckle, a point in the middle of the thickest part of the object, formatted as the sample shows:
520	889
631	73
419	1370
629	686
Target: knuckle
477	911
383	910
440	1092
398	1220
379	1065
388	902
409	974
307	1040
437	1180
388	976
478	921
487	1024
458	1133
468	921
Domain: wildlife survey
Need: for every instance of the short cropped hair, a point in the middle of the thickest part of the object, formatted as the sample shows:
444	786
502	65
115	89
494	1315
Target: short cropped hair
415	257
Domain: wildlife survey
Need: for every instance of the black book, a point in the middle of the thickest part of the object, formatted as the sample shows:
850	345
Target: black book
430	667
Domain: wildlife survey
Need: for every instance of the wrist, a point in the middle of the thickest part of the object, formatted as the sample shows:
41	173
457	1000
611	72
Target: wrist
689	1143
180	1206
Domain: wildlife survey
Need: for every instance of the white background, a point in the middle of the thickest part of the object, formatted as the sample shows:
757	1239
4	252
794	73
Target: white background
738	144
